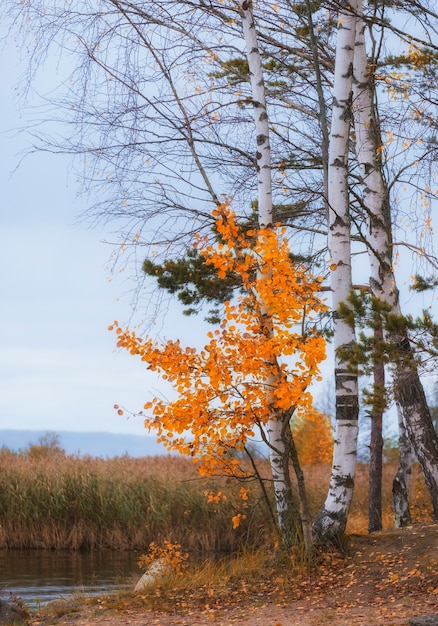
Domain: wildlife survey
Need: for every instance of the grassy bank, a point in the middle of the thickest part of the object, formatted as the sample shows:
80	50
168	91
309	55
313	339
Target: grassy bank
64	502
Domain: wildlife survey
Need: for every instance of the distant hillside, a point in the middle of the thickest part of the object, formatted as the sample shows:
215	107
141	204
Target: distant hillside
87	443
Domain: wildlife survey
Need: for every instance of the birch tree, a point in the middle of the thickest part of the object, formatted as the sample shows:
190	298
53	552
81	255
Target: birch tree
279	449
252	361
332	519
280	438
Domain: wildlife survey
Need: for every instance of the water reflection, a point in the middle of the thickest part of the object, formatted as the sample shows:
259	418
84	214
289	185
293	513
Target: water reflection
38	576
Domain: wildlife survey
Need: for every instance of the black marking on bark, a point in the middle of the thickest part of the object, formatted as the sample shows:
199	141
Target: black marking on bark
339	163
344	481
338	221
346	413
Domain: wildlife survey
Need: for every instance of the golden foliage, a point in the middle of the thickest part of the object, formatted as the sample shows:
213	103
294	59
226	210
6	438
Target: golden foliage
313	437
258	362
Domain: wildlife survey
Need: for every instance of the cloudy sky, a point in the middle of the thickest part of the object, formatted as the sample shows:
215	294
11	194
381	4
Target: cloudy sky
59	369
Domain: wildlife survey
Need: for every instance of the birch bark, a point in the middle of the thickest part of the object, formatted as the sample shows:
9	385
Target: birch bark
409	391
332	519
278	427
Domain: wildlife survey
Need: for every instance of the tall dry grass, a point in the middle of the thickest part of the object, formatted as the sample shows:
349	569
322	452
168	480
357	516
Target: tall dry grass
65	502
62	502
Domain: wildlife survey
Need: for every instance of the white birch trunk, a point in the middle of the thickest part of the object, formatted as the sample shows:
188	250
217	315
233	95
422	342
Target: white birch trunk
408	388
263	154
278	428
332	519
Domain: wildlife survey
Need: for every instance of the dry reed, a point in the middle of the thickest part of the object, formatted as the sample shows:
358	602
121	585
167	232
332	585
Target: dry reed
65	502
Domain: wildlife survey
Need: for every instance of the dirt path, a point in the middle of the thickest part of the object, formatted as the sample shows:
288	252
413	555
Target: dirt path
395	612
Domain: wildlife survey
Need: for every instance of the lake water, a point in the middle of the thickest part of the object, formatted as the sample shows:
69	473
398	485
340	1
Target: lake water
38	576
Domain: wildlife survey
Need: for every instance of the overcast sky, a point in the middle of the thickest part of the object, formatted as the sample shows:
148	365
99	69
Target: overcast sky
59	369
